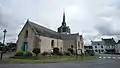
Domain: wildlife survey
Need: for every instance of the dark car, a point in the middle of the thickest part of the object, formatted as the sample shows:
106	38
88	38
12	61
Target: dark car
3	48
11	46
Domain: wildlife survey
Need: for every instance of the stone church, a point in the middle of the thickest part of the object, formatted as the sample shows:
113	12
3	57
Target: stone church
33	35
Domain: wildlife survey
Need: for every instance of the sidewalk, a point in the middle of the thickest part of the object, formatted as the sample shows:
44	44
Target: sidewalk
7	55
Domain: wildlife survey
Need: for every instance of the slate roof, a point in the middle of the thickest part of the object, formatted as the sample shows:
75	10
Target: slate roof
41	30
118	42
70	36
97	42
109	41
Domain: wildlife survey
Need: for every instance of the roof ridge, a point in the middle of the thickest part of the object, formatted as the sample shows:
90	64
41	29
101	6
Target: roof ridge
41	26
41	30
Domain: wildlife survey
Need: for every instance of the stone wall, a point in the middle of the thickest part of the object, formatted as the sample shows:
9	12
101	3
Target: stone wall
30	38
46	43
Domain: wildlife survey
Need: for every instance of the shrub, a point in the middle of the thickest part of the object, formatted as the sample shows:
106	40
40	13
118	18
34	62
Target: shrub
91	53
51	53
67	53
36	51
56	51
20	53
45	53
71	51
60	54
28	54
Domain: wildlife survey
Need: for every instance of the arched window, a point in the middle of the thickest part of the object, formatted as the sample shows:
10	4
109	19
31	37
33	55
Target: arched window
96	50
78	45
95	46
82	45
26	34
52	43
101	46
71	46
102	50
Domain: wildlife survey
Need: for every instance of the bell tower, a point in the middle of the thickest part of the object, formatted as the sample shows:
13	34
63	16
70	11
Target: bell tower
64	29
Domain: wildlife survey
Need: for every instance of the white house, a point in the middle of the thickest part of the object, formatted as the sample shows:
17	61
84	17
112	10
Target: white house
98	46
109	45
117	48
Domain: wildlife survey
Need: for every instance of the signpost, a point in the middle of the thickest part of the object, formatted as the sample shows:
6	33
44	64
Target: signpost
79	53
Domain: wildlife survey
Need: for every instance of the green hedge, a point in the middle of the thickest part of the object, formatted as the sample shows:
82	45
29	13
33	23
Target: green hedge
21	53
27	54
67	53
44	53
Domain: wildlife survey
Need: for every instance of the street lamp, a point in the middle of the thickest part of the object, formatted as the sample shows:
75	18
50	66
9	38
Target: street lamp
5	31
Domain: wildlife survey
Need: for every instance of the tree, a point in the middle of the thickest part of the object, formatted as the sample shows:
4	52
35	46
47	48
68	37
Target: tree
71	50
36	51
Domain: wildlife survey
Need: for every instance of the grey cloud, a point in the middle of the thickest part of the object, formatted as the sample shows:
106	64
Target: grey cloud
107	29
117	4
107	21
49	14
4	17
8	22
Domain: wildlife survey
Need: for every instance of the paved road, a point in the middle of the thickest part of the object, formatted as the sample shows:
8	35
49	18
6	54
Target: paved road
109	56
98	63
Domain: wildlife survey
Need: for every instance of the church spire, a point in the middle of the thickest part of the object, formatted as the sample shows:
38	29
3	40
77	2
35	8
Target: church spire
63	28
64	23
63	16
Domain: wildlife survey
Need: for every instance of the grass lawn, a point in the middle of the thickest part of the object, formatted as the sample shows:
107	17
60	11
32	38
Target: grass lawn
49	60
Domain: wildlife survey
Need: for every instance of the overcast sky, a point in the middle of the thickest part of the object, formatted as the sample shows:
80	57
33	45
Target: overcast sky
91	18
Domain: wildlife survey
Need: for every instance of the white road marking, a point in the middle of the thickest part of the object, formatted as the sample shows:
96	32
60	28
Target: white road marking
114	57
21	64
100	57
109	57
118	57
104	57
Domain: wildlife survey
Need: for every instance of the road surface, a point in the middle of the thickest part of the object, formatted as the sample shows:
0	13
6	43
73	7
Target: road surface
97	63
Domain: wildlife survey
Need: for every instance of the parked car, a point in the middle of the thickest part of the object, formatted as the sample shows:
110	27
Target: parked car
11	46
3	48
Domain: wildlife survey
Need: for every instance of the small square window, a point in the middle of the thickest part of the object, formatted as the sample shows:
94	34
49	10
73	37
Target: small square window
102	50
101	46
96	51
